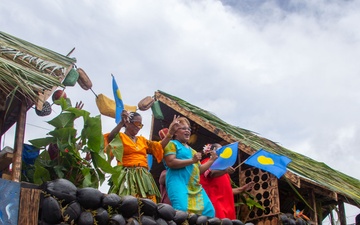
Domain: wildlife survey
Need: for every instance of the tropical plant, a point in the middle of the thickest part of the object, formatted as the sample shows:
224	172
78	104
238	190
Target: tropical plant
71	148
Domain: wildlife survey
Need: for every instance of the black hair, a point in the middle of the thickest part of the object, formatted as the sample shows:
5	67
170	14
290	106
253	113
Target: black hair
215	146
132	115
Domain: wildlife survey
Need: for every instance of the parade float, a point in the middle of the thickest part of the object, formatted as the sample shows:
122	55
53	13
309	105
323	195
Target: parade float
60	186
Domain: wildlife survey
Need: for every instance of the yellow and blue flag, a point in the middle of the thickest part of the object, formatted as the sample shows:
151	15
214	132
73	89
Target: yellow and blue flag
118	100
227	156
270	162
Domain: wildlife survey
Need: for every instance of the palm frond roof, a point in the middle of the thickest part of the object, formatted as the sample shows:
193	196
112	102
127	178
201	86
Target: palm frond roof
28	75
27	68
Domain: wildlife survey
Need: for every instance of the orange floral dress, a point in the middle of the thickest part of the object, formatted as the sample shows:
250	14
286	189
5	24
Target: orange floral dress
134	177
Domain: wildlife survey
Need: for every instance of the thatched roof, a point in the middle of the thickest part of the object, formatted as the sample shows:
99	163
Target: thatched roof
28	73
309	171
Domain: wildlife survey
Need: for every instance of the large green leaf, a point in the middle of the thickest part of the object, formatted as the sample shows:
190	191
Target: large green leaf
41	174
42	142
78	112
92	133
63	120
117	148
64	135
87	177
59	171
102	163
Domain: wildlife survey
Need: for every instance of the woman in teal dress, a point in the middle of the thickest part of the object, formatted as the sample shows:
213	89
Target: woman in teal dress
183	173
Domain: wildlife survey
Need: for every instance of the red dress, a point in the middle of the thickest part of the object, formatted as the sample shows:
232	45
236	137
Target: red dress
220	193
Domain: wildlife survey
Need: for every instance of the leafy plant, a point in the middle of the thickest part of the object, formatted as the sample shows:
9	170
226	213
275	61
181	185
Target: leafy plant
70	148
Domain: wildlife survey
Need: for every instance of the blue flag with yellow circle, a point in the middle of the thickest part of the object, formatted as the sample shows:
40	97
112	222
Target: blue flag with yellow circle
227	156
118	100
270	162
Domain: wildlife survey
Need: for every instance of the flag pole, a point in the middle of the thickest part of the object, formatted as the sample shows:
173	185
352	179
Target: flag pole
239	165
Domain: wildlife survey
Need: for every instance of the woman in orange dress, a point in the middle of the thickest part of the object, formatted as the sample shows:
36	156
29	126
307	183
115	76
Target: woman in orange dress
130	151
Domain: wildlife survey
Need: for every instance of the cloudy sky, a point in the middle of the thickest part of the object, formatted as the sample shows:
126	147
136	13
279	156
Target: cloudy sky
287	70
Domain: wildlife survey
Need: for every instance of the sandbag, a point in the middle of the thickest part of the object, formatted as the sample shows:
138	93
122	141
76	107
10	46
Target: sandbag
146	103
156	110
71	78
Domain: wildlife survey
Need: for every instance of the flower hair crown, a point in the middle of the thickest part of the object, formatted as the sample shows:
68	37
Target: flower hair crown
207	148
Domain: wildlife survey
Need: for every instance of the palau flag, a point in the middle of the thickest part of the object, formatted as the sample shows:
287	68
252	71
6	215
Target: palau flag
227	156
272	163
118	100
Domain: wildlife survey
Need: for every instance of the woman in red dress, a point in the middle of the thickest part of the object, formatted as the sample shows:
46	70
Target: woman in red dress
217	184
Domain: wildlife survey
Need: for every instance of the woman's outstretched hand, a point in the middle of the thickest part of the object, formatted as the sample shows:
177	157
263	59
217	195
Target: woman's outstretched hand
174	125
213	155
125	116
79	105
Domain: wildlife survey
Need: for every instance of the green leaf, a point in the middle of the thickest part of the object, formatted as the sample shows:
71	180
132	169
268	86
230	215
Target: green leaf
92	132
251	203
78	112
63	120
116	147
59	171
42	142
87	177
102	164
116	180
64	135
41	175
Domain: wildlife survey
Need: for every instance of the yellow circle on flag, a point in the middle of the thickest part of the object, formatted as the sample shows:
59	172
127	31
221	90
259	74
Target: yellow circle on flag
227	153
265	160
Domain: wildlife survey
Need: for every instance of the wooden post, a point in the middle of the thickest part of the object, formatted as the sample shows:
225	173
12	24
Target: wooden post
19	141
332	219
313	205
29	206
342	212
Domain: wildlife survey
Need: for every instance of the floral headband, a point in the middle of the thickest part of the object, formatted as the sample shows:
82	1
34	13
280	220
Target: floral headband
207	148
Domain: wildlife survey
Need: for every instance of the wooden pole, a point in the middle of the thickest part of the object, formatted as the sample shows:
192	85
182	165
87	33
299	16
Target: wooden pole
29	206
342	213
238	165
19	141
332	219
313	205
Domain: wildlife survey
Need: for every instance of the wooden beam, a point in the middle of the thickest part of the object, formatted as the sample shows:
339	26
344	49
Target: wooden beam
6	160
313	205
342	213
332	219
319	189
19	141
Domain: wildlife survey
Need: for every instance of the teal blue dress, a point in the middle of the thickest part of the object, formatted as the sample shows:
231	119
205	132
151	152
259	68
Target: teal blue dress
183	185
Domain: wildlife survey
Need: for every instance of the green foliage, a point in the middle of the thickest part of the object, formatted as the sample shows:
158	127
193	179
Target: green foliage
71	149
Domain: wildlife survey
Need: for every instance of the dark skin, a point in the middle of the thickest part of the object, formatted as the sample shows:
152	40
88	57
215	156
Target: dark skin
132	130
183	135
79	105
